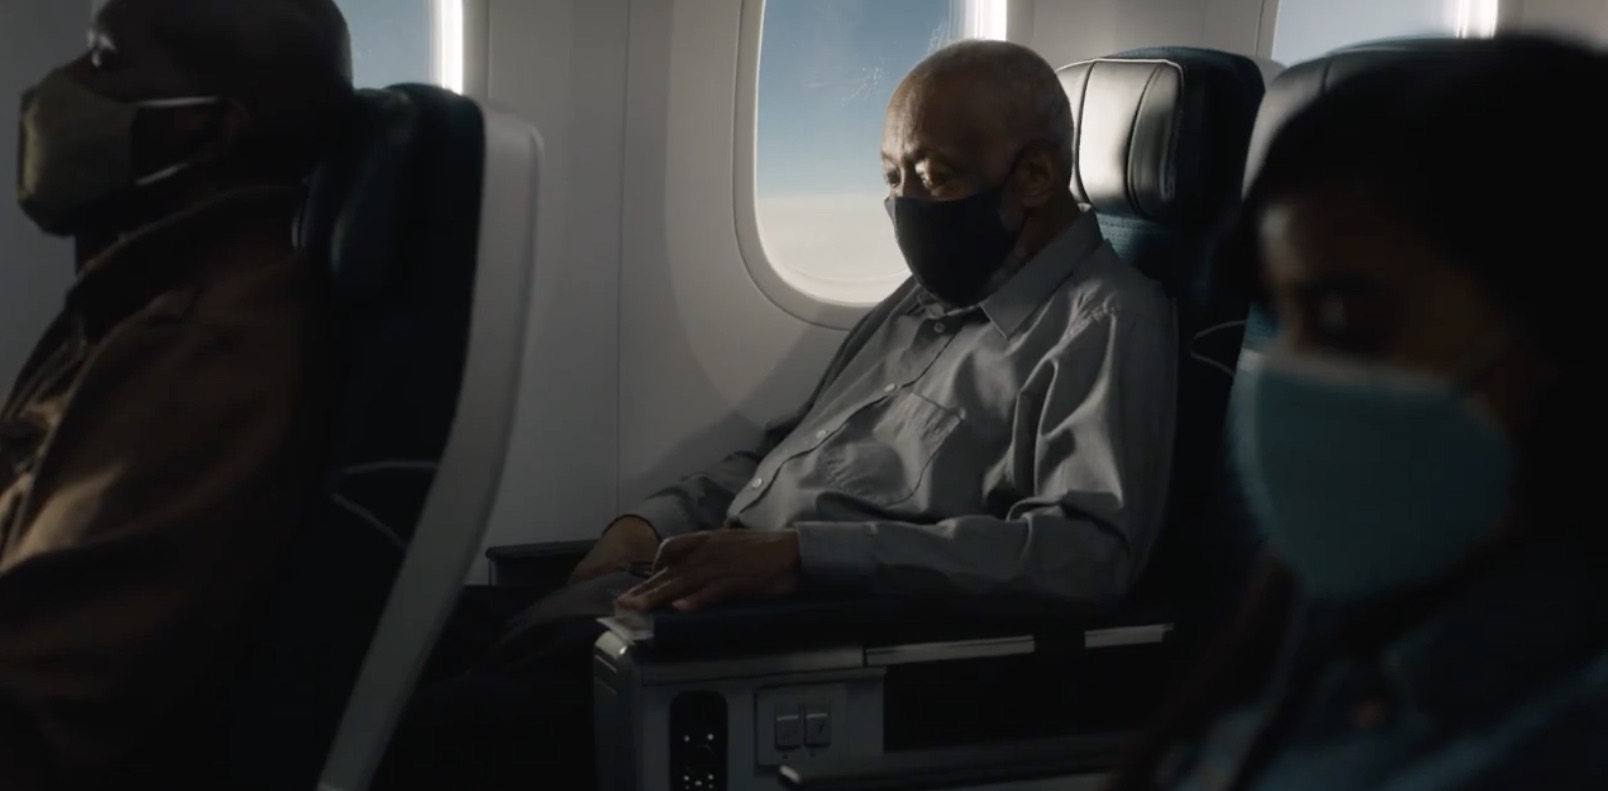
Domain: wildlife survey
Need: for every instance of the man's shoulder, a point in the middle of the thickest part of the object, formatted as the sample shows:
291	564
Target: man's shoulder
1105	285
260	287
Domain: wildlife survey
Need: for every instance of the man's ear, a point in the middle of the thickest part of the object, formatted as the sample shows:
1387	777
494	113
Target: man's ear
1037	176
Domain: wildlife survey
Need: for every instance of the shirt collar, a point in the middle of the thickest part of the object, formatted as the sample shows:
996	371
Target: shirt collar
1535	618
1023	293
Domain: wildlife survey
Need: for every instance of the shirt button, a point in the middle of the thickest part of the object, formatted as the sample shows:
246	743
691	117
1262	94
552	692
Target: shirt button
757	482
821	434
890	388
938	328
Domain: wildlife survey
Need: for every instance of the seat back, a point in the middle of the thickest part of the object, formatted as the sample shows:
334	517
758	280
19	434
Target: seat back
1297	87
1161	148
427	303
1287	94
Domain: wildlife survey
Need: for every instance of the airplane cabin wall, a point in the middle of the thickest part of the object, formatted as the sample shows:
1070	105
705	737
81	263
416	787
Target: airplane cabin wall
34	270
1587	19
561	64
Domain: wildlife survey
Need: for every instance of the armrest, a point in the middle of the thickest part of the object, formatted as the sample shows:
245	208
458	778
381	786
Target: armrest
881	622
966	767
545	566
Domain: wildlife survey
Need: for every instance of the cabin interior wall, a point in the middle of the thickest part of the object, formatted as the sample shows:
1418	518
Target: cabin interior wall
35	36
561	64
1587	19
1066	31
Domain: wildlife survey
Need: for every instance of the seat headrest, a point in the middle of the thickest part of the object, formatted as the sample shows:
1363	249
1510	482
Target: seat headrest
1300	84
357	199
1161	132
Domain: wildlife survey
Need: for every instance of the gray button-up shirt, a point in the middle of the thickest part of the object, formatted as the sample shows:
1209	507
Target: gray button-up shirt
1021	446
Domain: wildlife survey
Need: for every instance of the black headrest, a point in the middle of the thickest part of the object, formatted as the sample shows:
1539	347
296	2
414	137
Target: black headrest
1161	132
1304	82
358	238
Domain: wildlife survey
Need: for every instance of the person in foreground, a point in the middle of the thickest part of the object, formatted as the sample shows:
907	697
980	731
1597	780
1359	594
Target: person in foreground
1435	616
1002	424
158	444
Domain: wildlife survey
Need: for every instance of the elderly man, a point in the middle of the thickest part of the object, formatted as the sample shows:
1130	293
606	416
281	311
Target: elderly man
159	443
1001	424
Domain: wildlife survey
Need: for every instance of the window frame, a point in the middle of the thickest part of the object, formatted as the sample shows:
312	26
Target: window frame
745	198
801	305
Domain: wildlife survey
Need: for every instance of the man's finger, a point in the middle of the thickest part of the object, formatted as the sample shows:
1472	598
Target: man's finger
665	587
707	596
678	549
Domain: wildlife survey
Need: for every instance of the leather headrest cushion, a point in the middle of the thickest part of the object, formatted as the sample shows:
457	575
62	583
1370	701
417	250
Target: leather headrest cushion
1304	82
1161	133
355	201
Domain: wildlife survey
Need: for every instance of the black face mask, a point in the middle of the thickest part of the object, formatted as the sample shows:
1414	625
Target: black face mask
953	247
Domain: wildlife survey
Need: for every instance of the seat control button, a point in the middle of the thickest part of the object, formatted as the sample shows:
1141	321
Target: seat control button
818	725
789	728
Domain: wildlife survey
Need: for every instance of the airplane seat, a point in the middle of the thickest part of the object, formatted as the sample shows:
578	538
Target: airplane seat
730	695
423	214
1076	761
1163	181
1290	91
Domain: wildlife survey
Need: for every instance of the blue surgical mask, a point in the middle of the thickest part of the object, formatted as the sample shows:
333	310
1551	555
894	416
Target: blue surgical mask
1367	480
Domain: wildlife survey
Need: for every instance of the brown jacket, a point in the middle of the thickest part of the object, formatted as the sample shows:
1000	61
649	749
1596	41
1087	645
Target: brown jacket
154	455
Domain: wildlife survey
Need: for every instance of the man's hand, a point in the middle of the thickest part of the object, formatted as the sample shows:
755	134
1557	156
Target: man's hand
628	540
702	569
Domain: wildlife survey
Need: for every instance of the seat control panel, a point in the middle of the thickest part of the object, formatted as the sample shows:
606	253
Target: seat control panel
698	743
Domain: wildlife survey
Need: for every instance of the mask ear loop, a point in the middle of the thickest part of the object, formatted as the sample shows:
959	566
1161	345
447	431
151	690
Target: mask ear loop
1011	264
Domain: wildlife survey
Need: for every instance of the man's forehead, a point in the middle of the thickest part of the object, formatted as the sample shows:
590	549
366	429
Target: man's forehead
122	19
945	115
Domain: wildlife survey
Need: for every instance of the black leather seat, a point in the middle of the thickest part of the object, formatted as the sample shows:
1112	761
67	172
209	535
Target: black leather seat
395	212
1163	176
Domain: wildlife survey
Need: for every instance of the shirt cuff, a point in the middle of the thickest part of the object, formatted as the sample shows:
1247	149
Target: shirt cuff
665	514
836	553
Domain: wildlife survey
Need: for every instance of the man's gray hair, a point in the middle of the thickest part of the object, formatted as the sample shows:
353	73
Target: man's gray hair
1034	104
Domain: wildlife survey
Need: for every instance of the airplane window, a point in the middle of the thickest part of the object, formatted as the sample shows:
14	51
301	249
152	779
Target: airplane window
396	41
826	71
1308	28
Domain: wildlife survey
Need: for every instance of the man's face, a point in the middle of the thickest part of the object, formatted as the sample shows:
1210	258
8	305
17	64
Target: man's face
944	141
128	62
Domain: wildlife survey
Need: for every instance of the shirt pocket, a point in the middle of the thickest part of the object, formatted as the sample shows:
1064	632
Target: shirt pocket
882	453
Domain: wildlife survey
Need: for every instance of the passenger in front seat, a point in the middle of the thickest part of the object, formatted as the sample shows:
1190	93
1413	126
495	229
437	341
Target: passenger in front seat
164	437
1001	424
1418	444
